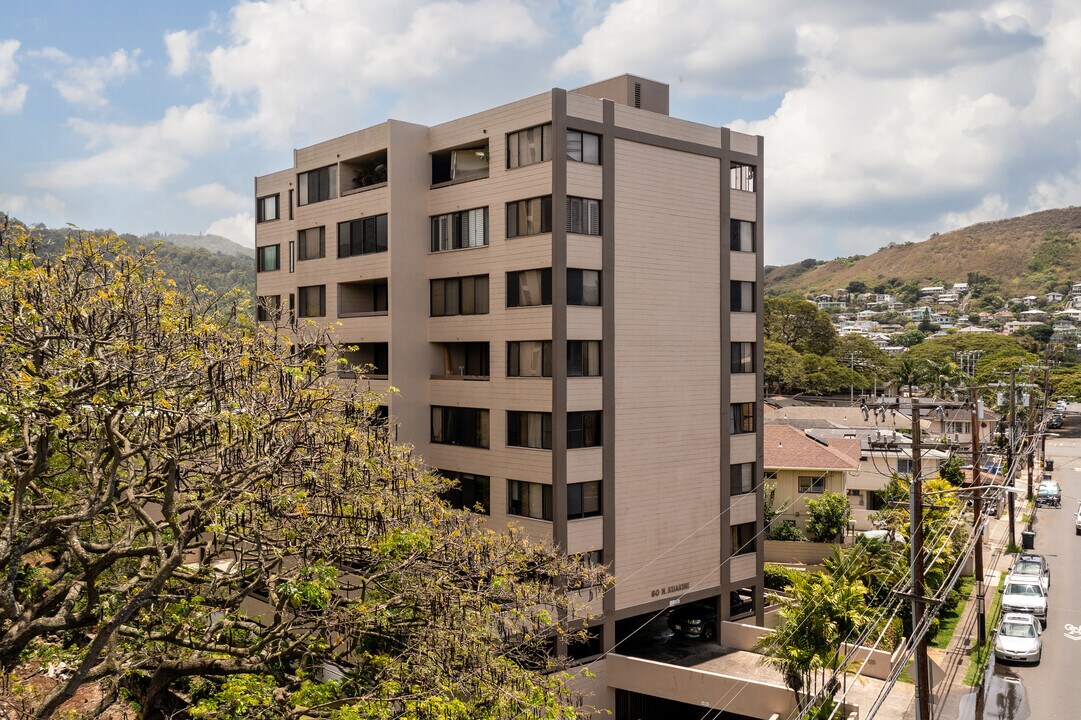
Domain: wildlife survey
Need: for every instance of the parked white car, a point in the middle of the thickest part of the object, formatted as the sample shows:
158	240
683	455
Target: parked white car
1018	638
1025	595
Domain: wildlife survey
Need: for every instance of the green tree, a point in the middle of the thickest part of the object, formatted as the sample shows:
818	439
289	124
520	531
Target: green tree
871	362
856	287
941	376
194	506
782	369
827	517
796	322
909	338
951	471
823	375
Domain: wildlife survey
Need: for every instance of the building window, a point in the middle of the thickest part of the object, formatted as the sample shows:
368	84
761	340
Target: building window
362	237
743	420
584	147
292	255
530	146
458	230
744	539
364	297
583	216
463	360
742	296
528	499
473	492
266	208
583	358
743	357
460	426
268	258
529	217
311	243
529	358
812	484
742	236
583	500
741	177
460	164
459	296
904	466
316	185
529	429
584	287
742	479
584	429
313	301
527	288
268	307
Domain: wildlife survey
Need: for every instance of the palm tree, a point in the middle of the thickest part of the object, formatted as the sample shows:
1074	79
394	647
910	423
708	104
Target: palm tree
942	375
910	373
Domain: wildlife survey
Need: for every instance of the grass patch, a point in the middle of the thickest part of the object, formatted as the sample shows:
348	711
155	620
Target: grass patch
981	653
947	621
906	674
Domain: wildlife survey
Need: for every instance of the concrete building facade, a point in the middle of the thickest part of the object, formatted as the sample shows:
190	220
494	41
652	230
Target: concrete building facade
566	291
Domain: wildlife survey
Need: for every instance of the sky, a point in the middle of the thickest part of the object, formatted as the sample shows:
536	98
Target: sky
884	122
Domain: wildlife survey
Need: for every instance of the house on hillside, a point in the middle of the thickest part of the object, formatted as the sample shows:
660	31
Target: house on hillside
1033	315
803	467
1014	326
1053	297
948	299
931	291
960	288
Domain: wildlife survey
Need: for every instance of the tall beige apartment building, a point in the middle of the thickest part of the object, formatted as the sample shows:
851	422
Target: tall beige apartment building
566	290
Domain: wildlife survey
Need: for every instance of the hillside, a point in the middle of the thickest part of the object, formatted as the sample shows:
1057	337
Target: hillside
212	243
1015	251
210	260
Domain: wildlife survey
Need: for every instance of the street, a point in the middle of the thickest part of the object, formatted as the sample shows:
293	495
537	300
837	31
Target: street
1052	689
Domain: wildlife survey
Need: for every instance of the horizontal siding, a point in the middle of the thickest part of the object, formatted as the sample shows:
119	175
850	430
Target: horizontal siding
657	124
582	106
345	147
744	206
744	266
742	568
585	535
743	387
744	326
667	421
584	465
741	142
584	180
743	448
584	393
744	509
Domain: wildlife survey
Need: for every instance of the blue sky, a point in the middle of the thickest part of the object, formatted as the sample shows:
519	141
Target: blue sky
884	122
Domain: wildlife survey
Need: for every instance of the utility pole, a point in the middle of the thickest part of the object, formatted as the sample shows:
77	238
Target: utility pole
1028	433
1010	475
921	674
1043	429
977	513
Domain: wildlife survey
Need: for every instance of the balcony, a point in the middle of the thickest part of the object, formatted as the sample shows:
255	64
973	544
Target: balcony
458	165
365	172
362	298
460	361
366	359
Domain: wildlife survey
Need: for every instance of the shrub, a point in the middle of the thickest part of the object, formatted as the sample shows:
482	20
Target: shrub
778	577
788	531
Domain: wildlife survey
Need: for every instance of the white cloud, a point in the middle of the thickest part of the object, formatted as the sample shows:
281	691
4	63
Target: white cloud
315	66
991	207
215	196
12	93
51	205
238	228
14	204
142	156
82	81
180	46
697	45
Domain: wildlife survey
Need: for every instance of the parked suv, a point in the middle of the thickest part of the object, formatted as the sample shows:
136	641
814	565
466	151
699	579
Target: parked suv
1032	565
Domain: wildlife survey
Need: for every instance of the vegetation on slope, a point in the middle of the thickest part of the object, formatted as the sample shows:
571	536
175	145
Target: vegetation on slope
1026	255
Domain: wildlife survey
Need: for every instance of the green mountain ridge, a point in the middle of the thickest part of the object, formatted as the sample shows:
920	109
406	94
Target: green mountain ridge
1029	254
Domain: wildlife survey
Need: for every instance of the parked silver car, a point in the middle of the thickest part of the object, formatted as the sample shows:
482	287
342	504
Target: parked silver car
1018	638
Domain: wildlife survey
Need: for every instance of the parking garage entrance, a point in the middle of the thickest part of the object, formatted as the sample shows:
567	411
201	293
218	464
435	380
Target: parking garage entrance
635	706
